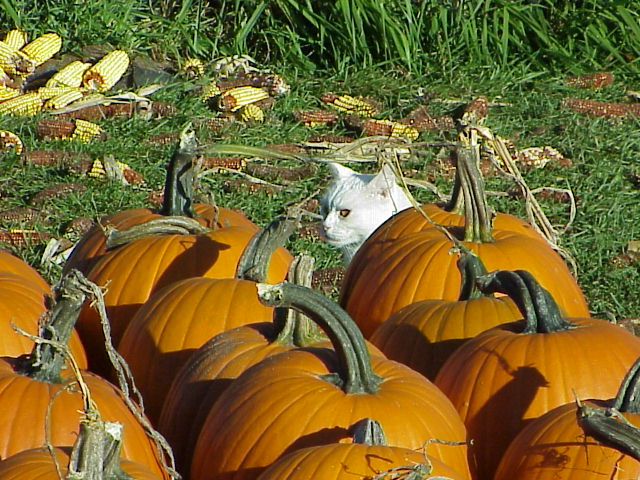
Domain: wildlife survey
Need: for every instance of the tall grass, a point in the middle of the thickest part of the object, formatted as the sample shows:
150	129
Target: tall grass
413	35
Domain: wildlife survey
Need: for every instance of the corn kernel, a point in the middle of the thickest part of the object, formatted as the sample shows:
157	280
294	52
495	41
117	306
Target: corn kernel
193	68
86	131
97	170
42	48
234	99
210	90
63	99
26	104
7	92
70	75
107	71
349	104
251	113
16	39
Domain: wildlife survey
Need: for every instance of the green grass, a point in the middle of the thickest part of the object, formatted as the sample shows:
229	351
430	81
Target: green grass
517	53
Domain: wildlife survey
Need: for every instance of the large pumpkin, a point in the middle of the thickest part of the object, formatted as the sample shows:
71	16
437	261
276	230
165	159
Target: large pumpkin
306	397
389	273
10	263
581	440
511	374
42	403
424	334
176	321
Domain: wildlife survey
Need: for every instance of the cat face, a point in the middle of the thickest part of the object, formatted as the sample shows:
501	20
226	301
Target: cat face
356	204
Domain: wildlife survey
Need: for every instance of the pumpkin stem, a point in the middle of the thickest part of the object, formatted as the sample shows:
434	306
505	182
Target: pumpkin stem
356	374
478	215
628	396
471	268
368	432
456	201
178	187
540	311
49	354
609	426
254	262
96	451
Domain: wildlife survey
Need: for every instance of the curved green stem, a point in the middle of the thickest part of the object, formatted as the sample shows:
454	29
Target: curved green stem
538	308
628	396
356	374
254	262
471	268
478	215
178	187
368	432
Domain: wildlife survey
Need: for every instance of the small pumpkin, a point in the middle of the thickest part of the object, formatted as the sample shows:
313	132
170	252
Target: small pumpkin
511	374
311	396
581	440
424	334
367	457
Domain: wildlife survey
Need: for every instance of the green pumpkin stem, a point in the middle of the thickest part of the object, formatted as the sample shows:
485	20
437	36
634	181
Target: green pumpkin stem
478	215
540	311
178	187
48	356
96	452
368	432
254	262
356	374
471	268
628	396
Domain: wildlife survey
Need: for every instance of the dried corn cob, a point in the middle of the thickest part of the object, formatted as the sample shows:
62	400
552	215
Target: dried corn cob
15	39
42	48
210	90
21	214
193	68
162	138
274	84
285	147
271	172
251	113
48	128
330	139
539	157
46	93
63	99
86	131
248	186
98	170
315	118
349	104
7	92
236	98
9	58
21	238
599	109
10	141
216	124
387	128
107	71
70	75
56	191
24	105
163	109
232	163
591	80
53	157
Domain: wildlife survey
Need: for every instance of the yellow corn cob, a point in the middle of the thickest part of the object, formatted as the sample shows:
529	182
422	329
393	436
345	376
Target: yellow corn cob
8	58
106	73
27	104
70	75
42	48
347	103
7	92
16	39
210	90
406	131
251	113
63	99
9	140
193	68
46	93
389	128
86	131
234	99
97	170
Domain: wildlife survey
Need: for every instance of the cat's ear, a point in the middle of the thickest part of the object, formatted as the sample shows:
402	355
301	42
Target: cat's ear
339	171
383	182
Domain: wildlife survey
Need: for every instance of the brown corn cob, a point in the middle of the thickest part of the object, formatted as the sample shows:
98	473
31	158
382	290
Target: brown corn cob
315	118
215	124
286	147
422	120
555	196
20	238
162	138
328	279
330	139
233	163
55	128
52	157
21	214
475	111
291	174
271	82
388	128
163	109
538	157
248	186
600	109
56	191
591	80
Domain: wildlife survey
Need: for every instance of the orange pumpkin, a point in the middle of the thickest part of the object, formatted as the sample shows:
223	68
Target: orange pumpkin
42	403
511	374
580	440
368	457
172	324
387	274
10	263
311	396
424	334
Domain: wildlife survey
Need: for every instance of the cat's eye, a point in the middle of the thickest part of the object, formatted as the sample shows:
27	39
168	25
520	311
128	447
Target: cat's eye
345	212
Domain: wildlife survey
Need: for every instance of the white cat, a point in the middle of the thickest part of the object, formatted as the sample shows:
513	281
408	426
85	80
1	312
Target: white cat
355	204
